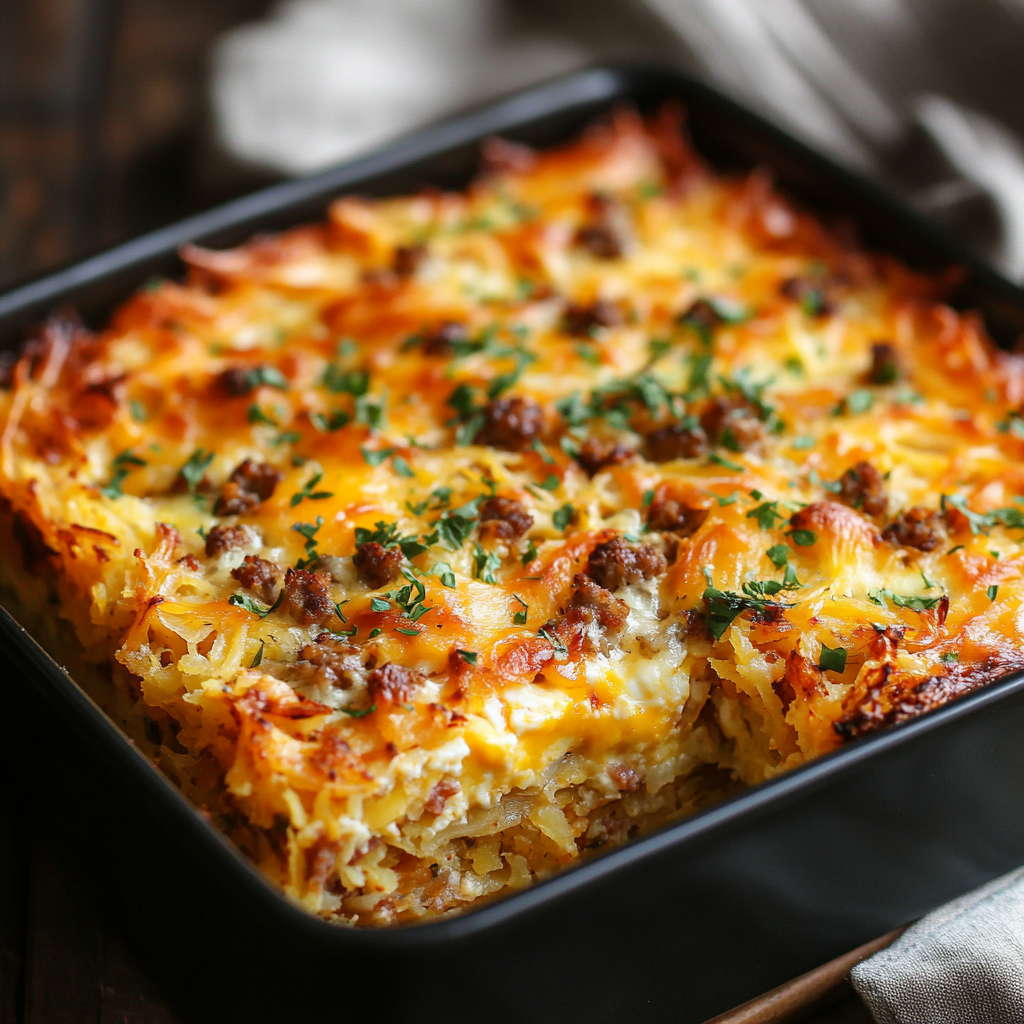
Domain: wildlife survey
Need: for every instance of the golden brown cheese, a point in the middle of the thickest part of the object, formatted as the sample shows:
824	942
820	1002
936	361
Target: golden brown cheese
439	543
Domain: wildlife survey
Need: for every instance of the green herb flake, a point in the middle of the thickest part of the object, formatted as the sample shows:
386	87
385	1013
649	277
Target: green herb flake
538	447
378	604
259	655
949	657
195	468
485	564
308	494
803	442
833	659
803	538
375	458
880	596
257	415
329	424
350	382
725	463
778	554
562	517
360	712
469	656
859	401
444	572
992	591
249	604
402	467
138	411
766	514
529	554
647	499
550	483
519	617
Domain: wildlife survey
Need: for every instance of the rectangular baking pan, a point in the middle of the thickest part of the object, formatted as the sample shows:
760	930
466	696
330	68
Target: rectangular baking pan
680	925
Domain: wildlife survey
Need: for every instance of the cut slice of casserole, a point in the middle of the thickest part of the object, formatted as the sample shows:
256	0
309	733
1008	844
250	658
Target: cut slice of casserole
432	546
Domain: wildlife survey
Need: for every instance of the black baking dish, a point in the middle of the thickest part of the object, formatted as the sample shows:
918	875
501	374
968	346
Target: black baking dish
677	926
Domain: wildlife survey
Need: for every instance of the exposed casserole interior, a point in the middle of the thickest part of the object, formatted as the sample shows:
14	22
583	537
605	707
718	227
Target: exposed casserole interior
432	546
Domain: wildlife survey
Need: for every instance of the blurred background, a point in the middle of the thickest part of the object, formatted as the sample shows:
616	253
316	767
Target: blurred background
117	116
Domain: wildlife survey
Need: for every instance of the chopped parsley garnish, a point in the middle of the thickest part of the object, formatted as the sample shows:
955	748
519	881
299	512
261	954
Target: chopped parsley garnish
561	651
257	415
992	591
195	468
470	656
724	605
387	535
252	605
879	596
121	466
444	572
259	655
778	555
308	494
529	554
270	376
375	458
802	442
485	563
350	382
982	522
286	437
751	391
370	411
648	497
519	617
538	447
402	467
832	486
309	531
550	483
767	514
859	401
718	460
562	517
803	538
832	659
700	368
378	604
138	411
329	424
469	417
949	657
504	381
457	524
360	712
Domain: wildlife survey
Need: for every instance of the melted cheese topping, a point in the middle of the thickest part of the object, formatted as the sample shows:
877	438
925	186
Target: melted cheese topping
659	487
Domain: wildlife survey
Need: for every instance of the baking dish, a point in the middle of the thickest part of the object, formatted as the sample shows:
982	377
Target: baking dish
640	939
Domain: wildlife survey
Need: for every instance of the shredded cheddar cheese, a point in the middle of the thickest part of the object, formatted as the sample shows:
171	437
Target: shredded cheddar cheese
433	546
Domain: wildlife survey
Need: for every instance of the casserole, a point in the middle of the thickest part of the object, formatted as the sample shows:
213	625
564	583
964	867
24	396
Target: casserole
497	938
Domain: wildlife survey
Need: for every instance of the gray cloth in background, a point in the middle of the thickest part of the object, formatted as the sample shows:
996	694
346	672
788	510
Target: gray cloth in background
962	964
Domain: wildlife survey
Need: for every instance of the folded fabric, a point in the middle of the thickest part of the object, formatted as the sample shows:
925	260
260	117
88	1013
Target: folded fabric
962	964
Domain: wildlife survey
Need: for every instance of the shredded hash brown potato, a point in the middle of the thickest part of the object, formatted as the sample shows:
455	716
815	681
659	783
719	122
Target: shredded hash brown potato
433	546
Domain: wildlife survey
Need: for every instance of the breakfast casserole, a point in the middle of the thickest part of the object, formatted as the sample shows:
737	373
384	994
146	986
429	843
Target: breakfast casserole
433	547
